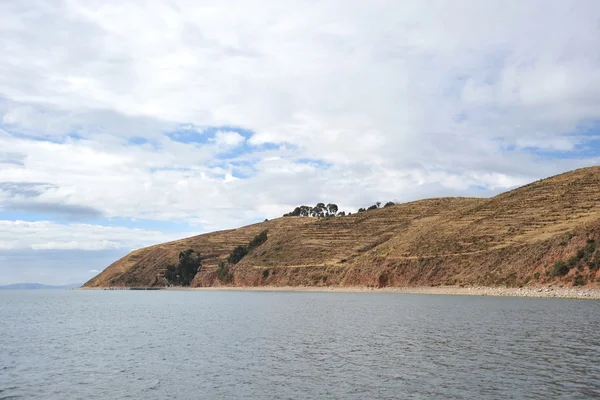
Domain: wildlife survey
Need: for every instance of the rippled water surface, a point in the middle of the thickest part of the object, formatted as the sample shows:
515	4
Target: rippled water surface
258	345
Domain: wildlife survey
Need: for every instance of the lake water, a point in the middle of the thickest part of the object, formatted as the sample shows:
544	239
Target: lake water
278	345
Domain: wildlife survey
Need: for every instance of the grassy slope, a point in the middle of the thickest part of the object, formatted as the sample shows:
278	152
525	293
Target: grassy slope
504	240
139	268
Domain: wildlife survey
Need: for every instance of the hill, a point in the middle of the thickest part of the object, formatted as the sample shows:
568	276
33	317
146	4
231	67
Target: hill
30	286
544	233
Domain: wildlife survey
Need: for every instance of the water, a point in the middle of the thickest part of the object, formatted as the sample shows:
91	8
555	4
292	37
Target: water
258	345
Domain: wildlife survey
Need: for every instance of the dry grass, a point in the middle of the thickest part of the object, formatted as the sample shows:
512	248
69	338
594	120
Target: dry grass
140	267
504	240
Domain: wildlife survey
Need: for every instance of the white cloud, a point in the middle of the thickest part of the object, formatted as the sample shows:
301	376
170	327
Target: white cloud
229	139
46	235
398	100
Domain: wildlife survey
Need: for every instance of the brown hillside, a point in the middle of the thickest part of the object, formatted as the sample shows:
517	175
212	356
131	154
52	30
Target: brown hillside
140	267
515	238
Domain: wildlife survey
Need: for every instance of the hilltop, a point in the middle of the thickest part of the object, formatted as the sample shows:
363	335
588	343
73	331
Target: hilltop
544	233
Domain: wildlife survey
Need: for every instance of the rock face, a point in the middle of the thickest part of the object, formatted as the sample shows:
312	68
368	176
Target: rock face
513	239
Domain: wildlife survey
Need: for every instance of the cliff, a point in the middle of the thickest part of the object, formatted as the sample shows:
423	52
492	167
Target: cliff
547	232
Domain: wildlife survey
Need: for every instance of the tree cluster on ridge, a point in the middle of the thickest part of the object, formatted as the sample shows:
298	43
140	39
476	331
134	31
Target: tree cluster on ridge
320	211
330	210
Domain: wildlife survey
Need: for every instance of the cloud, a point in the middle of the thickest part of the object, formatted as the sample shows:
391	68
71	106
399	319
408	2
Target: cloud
23	189
30	197
223	115
71	212
47	235
230	139
11	158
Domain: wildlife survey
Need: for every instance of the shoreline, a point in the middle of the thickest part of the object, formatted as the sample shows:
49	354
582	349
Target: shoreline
539	292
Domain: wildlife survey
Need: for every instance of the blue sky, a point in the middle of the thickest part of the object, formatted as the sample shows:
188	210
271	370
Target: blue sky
132	125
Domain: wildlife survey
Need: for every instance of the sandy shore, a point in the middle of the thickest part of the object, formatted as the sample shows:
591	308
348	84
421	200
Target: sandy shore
567	293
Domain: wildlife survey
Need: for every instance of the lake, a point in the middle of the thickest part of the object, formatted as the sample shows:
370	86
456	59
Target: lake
295	345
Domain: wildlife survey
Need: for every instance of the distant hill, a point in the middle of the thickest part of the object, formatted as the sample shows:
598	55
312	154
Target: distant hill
544	233
29	286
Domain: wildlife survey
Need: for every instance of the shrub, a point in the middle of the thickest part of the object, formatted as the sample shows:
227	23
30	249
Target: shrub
595	261
579	280
265	273
389	204
589	250
240	251
223	272
536	276
572	262
257	240
373	207
237	254
560	269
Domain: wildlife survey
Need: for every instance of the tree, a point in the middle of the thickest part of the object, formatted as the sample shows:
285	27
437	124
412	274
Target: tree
341	214
184	272
389	204
373	207
320	210
296	213
378	204
361	209
305	211
332	208
172	274
189	263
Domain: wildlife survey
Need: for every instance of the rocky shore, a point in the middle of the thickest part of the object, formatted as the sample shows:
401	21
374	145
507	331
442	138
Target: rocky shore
570	293
566	293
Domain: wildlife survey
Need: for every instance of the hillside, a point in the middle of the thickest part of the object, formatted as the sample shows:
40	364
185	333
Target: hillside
543	233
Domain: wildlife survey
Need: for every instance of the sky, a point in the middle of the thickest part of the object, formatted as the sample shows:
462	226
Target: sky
125	124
